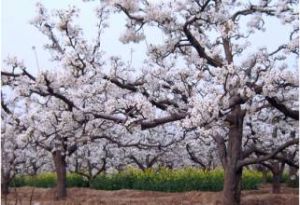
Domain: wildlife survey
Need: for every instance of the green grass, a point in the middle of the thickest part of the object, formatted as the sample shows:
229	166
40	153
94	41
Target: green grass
167	180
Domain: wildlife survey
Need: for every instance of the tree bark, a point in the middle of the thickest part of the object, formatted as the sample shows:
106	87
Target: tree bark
5	184
61	173
276	186
277	172
232	186
232	172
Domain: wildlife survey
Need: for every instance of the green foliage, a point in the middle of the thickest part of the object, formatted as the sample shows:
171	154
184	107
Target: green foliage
179	180
48	180
76	180
284	178
293	182
44	180
251	179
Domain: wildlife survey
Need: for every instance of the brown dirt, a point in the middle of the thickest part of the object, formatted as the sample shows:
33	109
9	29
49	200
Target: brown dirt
84	196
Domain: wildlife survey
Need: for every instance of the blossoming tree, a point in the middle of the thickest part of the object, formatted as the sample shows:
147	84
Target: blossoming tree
205	75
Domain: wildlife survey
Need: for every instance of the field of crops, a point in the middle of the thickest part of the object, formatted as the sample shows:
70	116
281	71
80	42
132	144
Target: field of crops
166	180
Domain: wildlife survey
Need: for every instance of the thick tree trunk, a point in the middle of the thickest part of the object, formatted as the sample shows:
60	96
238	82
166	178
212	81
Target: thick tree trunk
277	172
61	173
232	173
4	185
276	186
232	186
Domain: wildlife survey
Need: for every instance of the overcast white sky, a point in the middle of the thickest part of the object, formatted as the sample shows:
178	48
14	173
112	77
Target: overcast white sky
18	36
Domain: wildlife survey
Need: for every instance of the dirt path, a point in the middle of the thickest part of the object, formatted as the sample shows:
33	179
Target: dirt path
84	196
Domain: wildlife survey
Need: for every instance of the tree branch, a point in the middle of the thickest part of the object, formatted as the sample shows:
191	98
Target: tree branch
251	10
200	50
159	121
193	157
294	114
267	156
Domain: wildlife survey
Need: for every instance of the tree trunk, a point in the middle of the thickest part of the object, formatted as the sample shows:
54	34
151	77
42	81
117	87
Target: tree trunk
4	184
232	186
277	172
61	173
233	173
276	183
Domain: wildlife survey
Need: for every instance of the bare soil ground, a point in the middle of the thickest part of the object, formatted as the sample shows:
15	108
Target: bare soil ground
85	196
